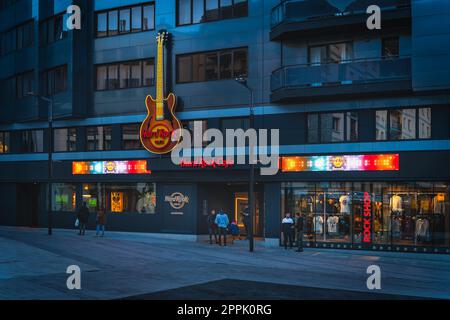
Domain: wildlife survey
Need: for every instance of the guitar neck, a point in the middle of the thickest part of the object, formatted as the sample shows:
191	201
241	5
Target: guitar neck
160	82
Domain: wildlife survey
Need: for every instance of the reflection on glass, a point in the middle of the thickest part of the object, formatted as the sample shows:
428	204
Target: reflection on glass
64	197
402	124
381	125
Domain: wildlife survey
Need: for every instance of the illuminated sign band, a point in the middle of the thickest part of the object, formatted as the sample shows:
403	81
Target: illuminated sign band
371	162
110	167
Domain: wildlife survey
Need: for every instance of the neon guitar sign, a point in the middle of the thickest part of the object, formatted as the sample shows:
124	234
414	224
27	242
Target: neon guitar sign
157	132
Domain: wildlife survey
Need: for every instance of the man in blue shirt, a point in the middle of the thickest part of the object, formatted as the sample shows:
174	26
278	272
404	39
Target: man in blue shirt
222	222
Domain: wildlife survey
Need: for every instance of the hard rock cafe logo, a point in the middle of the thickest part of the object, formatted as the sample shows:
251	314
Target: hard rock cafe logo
157	132
177	200
338	162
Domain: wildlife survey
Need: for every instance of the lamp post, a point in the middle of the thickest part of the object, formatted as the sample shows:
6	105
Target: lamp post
50	159
243	81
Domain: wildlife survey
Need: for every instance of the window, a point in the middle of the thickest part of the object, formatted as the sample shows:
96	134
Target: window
125	20
98	138
332	127
330	53
121	198
65	139
32	141
53	29
6	3
18	38
54	81
64	197
390	48
4	142
235	123
128	74
403	124
197	11
130	137
225	64
24	84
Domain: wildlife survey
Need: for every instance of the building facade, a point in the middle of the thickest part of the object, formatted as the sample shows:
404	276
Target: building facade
363	116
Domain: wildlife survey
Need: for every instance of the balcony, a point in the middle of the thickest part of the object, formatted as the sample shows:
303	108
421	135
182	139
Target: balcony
311	17
348	78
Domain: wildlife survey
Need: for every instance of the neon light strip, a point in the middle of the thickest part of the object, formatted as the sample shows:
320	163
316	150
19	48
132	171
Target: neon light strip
372	162
110	167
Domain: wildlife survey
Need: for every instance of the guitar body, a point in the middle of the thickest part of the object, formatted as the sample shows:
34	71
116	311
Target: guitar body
159	126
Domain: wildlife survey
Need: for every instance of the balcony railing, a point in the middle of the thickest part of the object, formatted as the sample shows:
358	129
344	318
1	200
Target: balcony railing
306	10
339	74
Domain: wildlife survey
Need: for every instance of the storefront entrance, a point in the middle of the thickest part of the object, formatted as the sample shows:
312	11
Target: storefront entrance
233	199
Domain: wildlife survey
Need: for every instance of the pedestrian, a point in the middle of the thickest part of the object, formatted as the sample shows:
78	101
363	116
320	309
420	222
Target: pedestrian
234	230
246	221
222	222
101	221
83	218
287	226
299	231
212	226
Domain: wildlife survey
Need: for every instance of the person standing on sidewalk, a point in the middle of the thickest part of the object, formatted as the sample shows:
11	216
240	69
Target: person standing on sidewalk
222	222
212	226
101	221
287	227
246	220
299	231
83	218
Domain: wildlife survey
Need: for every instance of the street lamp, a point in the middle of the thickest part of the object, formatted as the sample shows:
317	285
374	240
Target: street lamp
243	81
50	149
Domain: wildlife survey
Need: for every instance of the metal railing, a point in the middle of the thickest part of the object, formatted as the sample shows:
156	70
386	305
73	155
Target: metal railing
304	10
344	73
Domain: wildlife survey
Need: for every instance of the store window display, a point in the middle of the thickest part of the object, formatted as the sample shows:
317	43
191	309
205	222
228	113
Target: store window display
358	213
64	197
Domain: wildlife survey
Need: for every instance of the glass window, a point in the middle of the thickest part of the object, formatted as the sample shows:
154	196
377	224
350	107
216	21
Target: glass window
381	125
4	142
332	127
149	17
121	198
24	84
425	123
184	12
131	137
113	23
352	126
136	19
226	9
98	138
198	11
240	8
125	75
64	197
226	71
102	19
124	21
65	139
32	141
102	77
390	48
184	67
198	67
240	63
59	31
211	10
113	77
60	80
402	124
212	66
313	128
54	81
136	74
50	31
330	53
149	72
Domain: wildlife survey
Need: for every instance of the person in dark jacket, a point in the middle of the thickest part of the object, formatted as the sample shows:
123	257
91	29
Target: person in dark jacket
83	217
212	226
287	227
299	231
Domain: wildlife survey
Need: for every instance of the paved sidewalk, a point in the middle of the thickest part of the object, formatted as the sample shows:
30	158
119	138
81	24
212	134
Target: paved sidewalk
120	265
